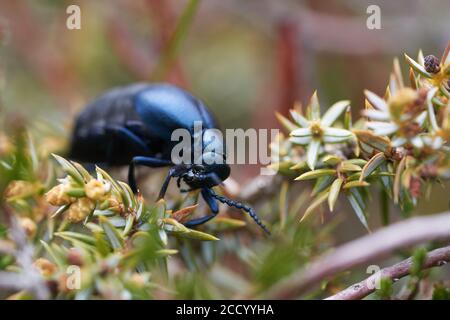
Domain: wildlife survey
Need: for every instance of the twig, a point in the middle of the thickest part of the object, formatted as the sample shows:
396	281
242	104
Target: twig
361	289
363	250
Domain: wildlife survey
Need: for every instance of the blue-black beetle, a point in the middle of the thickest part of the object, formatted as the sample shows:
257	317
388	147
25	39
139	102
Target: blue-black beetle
133	125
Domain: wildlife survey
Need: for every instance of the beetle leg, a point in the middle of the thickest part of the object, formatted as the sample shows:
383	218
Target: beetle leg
145	161
210	201
212	204
175	171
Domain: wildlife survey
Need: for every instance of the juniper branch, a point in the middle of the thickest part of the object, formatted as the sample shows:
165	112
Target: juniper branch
438	257
360	251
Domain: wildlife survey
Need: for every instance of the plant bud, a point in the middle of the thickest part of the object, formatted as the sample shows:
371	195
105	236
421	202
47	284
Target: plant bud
45	267
57	196
95	189
20	189
80	209
431	64
402	102
75	257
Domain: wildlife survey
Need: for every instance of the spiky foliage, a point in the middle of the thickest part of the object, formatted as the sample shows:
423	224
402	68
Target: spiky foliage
118	242
400	144
124	246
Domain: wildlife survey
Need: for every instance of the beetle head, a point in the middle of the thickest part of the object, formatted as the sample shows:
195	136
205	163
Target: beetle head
205	175
210	167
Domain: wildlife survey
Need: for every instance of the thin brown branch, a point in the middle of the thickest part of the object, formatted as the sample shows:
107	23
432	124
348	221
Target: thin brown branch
358	252
361	289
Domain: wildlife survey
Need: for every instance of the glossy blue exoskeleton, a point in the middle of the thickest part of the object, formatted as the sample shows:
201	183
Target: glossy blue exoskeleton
133	125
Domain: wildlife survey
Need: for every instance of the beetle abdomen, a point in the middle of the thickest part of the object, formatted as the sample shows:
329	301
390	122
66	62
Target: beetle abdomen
164	108
93	140
150	111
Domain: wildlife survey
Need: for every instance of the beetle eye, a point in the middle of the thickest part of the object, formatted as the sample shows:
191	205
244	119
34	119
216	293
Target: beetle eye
189	176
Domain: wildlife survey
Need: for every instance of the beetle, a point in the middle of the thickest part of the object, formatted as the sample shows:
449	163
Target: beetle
133	126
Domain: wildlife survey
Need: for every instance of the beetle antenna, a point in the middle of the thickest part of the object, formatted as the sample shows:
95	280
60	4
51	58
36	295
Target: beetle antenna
241	206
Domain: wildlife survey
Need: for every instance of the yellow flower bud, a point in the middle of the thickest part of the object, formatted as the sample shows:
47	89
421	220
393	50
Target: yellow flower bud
95	189
20	189
80	209
114	205
46	267
401	100
57	196
29	226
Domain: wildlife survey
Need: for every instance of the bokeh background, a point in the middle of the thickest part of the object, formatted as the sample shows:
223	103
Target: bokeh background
245	59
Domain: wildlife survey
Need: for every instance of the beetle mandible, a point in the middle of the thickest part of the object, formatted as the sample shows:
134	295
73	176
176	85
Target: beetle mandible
133	125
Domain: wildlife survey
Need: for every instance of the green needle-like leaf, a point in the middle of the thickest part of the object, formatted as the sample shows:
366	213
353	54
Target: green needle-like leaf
349	167
355	184
301	140
334	192
285	122
198	235
334	112
322	183
70	169
321	198
57	258
313	153
431	115
359	210
316	174
113	235
299	119
314	107
301	132
77	236
376	161
376	101
331	160
418	67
